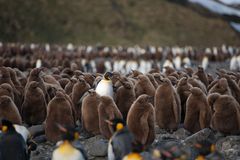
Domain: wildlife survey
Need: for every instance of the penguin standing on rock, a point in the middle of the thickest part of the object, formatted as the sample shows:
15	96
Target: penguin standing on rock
105	86
120	144
12	144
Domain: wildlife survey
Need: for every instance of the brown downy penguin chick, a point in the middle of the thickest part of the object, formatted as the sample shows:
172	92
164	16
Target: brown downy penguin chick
215	81
135	73
6	78
79	89
34	108
210	78
167	106
153	81
202	76
141	120
35	76
173	80
168	70
197	83
198	112
89	78
189	71
63	82
90	118
226	116
49	79
115	77
69	86
58	112
183	90
7	90
144	86
235	90
107	110
221	87
13	76
9	111
158	78
125	96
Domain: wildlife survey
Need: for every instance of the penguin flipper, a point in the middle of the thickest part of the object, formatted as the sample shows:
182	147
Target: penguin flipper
176	111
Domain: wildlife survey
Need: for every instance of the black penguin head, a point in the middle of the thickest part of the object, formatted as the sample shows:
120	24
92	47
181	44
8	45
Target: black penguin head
68	133
117	124
108	75
7	126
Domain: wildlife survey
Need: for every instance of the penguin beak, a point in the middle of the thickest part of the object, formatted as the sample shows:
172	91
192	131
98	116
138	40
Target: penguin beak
61	128
108	122
161	80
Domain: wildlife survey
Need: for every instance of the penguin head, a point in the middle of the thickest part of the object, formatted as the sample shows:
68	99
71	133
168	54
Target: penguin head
5	100
117	124
133	156
7	126
69	133
108	75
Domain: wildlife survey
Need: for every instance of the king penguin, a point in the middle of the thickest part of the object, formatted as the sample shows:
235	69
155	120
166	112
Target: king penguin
120	144
12	144
66	150
105	86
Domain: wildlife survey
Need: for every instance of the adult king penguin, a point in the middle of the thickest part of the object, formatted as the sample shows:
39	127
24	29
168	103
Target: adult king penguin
66	150
12	144
120	144
105	86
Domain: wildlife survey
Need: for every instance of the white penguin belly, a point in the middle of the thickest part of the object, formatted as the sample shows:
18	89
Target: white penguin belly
104	88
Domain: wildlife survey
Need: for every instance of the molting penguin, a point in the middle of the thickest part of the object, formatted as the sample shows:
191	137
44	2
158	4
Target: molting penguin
105	86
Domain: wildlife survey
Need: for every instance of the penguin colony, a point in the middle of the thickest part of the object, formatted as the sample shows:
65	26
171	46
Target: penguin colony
69	90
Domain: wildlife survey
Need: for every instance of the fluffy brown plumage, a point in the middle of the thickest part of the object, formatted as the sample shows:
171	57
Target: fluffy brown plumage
221	87
58	111
198	112
34	108
226	116
8	110
183	90
90	118
79	89
144	86
167	106
107	110
125	96
141	120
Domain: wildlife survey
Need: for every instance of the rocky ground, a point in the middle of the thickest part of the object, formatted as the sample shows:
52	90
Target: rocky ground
96	147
